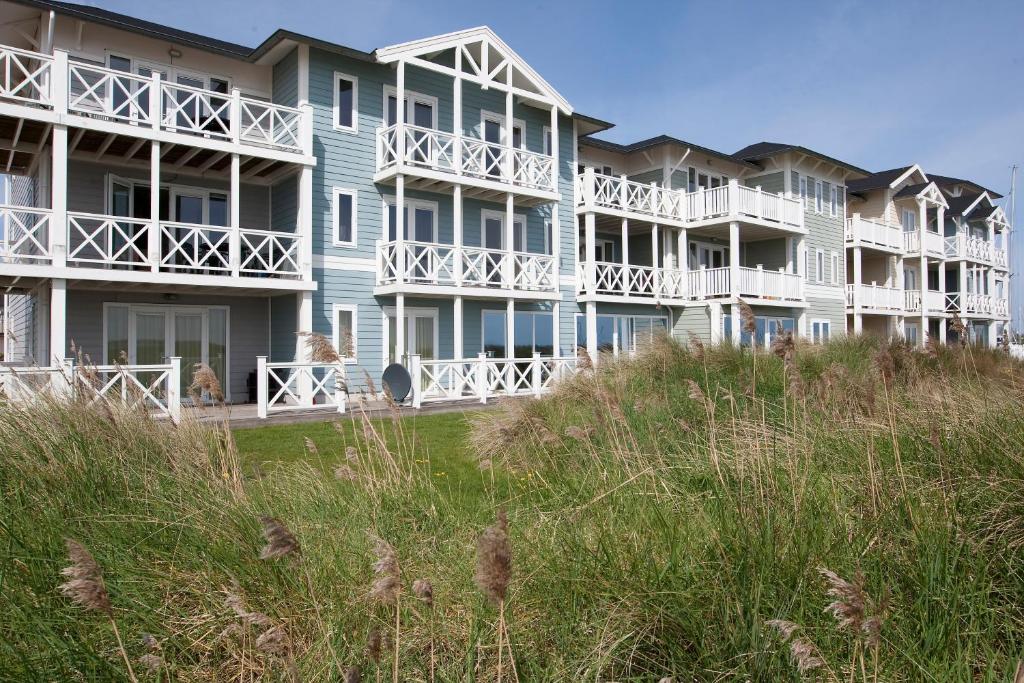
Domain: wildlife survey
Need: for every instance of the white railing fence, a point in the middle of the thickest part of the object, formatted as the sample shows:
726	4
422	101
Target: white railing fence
24	234
445	152
638	281
107	240
770	284
25	76
273	125
708	283
876	297
284	387
872	232
482	378
430	263
96	91
152	388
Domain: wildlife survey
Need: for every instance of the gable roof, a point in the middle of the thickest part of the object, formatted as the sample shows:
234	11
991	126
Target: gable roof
764	150
947	181
484	55
877	180
663	140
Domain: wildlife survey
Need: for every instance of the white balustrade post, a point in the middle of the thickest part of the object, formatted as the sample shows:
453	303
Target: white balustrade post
589	186
625	257
758	202
481	377
155	101
536	374
65	384
235	238
623	194
858	318
153	241
59	75
235	115
174	390
458	253
415	371
261	387
655	204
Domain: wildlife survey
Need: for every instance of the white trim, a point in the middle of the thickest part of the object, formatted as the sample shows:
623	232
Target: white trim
411	97
357	263
354	128
335	216
336	337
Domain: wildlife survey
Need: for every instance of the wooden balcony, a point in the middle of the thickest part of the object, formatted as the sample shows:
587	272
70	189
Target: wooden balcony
875	299
874	234
430	267
431	157
117	102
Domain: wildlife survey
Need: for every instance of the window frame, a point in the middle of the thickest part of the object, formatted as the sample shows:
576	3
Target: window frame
818	325
352	309
802	183
335	110
817	196
834	264
819	266
410	205
834	202
335	216
411	98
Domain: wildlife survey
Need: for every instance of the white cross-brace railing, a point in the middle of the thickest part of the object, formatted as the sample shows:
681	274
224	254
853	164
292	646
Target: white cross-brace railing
435	150
283	387
266	252
269	124
24	234
154	388
431	263
107	240
25	76
94	90
482	378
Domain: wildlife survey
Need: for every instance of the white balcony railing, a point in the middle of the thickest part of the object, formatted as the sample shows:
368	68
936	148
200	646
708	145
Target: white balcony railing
430	263
24	235
934	243
977	304
876	298
770	284
287	387
482	378
874	233
98	92
728	202
974	248
459	155
708	283
614	279
638	281
100	241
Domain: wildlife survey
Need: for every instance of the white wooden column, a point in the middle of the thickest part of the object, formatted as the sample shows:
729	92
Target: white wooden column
457	315
508	272
590	252
922	219
58	320
625	256
153	241
858	279
400	178
304	324
655	247
734	278
510	328
59	211
591	324
457	110
235	248
509	116
400	328
683	262
942	299
556	328
458	237
59	197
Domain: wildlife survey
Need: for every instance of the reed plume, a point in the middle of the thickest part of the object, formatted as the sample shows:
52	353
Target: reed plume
281	542
153	660
319	348
424	590
353	674
802	652
86	588
311	447
387	587
494	571
204	381
697	347
855	612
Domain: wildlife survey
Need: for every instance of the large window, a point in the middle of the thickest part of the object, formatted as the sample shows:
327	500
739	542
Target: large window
821	331
534	333
346	103
621	333
766	327
909	220
346	331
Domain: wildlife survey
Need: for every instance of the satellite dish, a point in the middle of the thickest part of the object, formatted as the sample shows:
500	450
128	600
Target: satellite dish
397	380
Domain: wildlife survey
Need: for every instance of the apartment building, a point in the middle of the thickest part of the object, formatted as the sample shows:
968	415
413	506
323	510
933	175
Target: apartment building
923	248
435	203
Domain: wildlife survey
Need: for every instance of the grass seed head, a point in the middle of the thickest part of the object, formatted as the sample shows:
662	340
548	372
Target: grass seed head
849	600
424	590
281	542
353	674
204	381
494	560
85	584
388	581
319	348
374	645
748	323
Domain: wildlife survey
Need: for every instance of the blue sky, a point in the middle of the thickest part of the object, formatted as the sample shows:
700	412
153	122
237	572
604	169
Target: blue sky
879	85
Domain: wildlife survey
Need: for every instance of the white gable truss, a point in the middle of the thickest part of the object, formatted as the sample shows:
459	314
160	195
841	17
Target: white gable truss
481	57
913	175
998	220
933	195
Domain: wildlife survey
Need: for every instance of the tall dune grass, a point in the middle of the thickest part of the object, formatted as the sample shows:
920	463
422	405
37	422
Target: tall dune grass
858	514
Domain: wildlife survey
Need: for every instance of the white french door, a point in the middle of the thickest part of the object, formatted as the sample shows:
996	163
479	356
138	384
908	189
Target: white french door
421	333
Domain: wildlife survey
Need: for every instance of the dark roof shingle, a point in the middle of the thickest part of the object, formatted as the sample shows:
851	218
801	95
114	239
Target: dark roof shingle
763	150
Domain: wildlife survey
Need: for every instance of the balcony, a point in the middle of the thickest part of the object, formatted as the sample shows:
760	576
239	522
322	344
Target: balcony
117	248
875	234
441	156
95	96
875	298
961	246
434	267
934	302
934	243
977	304
732	202
658	284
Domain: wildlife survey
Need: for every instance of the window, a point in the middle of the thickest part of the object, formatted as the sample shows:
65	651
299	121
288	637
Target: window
817	196
344	217
835	268
910	332
803	192
549	243
826	196
420	220
534	333
346	331
620	333
909	220
834	208
767	327
819	265
821	331
691	183
346	102
547	140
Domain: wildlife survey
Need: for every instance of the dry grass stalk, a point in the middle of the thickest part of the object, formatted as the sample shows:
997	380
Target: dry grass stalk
583	359
281	542
153	660
387	587
697	347
353	674
494	571
856	613
204	381
803	653
86	588
424	590
319	348
748	323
